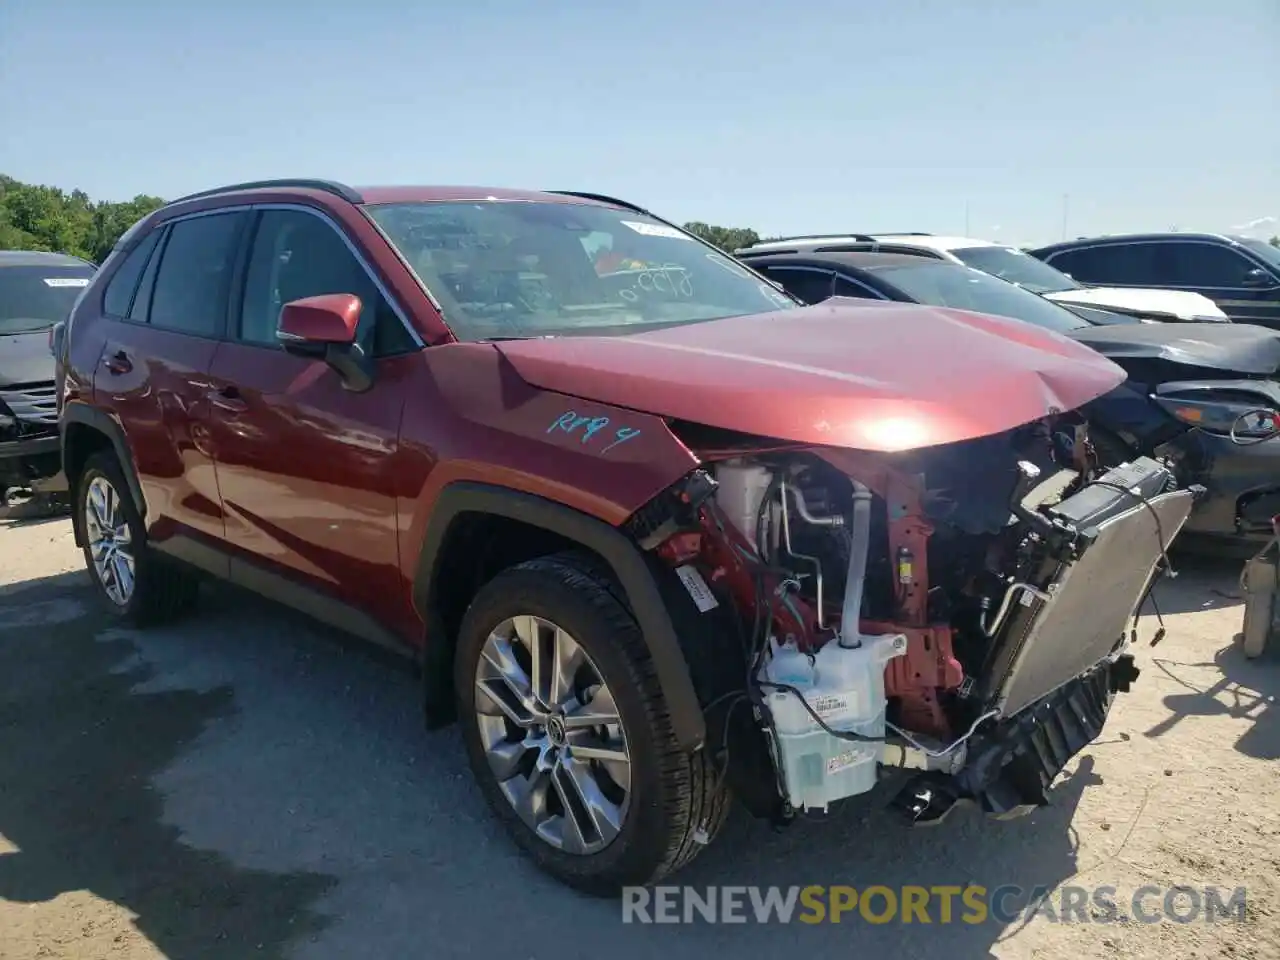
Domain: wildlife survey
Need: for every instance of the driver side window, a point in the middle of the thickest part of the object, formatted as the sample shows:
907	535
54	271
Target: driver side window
297	254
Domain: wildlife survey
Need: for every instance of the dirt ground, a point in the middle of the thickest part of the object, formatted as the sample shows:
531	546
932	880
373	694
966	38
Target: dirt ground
250	785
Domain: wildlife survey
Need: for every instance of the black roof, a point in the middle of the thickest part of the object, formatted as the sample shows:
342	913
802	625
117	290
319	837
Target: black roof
39	258
1134	237
859	260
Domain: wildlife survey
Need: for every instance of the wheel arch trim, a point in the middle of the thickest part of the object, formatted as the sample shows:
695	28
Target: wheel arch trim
623	557
100	422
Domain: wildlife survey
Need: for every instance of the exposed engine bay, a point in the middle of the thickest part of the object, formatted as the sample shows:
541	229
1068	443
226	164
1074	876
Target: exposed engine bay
959	611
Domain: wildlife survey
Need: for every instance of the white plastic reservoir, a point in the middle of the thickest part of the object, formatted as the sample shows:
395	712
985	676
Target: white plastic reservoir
845	687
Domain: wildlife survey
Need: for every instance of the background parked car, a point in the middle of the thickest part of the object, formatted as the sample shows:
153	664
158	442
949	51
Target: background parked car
37	291
1016	266
1190	387
1240	274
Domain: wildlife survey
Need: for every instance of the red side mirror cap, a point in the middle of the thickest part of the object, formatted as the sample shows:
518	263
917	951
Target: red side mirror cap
329	318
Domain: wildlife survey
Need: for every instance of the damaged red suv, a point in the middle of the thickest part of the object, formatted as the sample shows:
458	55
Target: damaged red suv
656	534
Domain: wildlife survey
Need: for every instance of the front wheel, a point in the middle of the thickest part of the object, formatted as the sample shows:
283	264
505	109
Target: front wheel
568	734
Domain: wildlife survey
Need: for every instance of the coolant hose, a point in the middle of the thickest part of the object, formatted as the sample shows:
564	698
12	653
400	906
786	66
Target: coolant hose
855	582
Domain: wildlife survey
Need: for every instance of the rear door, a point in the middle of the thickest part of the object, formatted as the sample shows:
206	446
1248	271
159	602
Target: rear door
305	466
153	373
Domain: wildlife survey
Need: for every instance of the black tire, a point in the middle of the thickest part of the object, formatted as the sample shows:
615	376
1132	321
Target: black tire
678	801
162	591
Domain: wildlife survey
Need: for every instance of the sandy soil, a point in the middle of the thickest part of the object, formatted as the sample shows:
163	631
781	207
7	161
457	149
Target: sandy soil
250	785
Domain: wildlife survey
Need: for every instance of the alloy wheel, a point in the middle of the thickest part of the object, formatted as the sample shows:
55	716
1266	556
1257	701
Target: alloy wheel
552	734
110	541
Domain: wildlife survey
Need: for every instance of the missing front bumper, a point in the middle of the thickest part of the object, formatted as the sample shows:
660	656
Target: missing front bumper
1010	768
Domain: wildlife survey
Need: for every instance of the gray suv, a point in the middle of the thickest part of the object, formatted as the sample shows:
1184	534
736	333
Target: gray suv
37	291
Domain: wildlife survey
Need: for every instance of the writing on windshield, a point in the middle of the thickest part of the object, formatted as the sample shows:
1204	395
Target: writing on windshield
529	269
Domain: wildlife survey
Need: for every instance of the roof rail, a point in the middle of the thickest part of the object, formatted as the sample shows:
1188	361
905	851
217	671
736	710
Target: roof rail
902	233
602	198
855	237
327	186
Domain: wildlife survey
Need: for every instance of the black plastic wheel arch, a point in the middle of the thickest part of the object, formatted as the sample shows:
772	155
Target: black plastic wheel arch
624	558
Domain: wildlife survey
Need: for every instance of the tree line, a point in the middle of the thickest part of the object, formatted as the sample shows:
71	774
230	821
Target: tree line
39	217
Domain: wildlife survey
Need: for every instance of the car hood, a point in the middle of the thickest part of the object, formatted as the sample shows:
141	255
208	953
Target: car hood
1232	347
25	358
1174	304
848	373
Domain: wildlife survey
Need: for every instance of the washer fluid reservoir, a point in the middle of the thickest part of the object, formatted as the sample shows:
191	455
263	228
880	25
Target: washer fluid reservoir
844	686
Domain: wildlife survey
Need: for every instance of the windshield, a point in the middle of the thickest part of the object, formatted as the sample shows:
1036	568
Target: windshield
948	285
1017	267
1263	251
36	297
531	269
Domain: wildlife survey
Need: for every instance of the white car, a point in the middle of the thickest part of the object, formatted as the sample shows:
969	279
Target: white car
1014	265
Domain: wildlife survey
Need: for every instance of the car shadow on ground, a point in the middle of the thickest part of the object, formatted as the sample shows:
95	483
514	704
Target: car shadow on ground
1203	582
247	779
1240	688
80	746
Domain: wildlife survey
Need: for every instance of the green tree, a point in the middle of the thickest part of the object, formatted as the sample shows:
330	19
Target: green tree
39	217
728	239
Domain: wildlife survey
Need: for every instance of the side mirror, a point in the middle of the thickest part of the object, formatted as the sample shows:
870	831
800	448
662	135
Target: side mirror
324	328
1257	277
57	333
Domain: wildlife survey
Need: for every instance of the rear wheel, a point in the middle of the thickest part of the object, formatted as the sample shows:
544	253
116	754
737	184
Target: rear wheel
568	734
136	584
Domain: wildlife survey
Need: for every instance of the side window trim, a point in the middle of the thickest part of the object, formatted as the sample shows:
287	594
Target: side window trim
152	237
1083	247
147	282
361	259
876	294
240	278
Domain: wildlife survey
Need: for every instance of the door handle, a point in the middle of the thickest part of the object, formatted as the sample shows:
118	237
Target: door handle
227	399
118	363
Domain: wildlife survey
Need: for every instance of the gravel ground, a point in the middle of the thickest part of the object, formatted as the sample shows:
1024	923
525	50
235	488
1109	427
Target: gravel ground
250	785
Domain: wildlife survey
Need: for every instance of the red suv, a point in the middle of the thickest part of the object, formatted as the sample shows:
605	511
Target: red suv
655	532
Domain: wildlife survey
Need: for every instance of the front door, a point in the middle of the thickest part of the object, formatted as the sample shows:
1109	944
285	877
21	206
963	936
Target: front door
306	467
1223	274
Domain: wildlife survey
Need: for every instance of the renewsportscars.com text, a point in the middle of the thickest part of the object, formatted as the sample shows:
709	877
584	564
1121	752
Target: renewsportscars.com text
939	904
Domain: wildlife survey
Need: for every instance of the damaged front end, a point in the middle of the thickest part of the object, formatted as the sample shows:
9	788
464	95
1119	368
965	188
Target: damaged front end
959	612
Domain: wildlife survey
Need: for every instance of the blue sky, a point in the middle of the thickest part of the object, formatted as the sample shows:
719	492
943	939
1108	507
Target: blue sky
818	116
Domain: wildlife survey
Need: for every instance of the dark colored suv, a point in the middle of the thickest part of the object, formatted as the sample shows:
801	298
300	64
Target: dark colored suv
37	291
618	496
1240	274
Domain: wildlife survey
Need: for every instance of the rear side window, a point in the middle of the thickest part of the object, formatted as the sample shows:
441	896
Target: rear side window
190	294
1129	264
810	285
118	298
